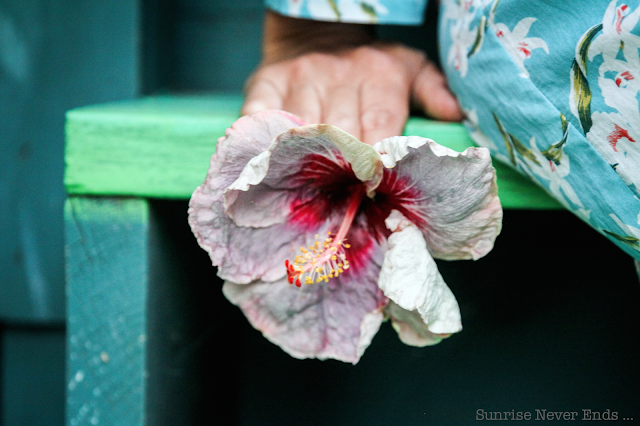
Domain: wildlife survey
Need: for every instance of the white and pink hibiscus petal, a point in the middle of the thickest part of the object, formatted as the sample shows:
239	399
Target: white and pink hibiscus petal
410	278
215	232
258	253
452	197
335	319
298	164
411	329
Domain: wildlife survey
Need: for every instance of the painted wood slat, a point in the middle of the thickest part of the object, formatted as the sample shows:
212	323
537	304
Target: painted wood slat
161	146
106	250
144	315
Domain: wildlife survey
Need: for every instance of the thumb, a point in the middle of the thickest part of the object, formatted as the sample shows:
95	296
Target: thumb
431	94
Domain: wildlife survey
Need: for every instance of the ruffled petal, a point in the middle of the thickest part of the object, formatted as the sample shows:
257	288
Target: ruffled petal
336	319
410	278
453	197
411	329
215	232
299	162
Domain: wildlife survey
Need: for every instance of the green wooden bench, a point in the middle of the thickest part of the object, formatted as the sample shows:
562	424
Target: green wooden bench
128	304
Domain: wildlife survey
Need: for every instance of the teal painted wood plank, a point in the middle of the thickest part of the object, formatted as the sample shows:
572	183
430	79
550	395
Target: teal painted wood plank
142	310
49	64
32	381
161	147
106	250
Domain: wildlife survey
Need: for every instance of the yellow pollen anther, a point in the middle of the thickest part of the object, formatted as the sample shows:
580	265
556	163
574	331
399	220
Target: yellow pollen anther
319	261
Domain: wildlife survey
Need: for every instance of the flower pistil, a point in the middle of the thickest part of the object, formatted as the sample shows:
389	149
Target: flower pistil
326	258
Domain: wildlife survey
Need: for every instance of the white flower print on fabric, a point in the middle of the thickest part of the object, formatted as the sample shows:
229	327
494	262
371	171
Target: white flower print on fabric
614	134
393	12
356	10
466	40
632	237
617	23
617	139
516	42
551	165
473	126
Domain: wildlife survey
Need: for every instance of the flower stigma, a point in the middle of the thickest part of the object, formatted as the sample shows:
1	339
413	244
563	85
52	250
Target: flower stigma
326	258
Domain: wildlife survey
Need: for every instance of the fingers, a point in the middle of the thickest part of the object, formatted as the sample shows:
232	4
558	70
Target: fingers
364	91
431	93
384	109
341	109
261	93
304	101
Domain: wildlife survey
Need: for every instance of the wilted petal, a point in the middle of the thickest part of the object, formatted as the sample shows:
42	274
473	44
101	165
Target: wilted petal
410	327
335	320
215	232
410	278
453	198
299	161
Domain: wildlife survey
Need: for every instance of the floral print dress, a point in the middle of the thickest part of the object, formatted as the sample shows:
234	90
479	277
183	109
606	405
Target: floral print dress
552	89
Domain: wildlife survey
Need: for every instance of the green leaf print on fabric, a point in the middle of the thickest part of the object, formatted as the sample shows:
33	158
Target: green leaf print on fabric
632	241
580	95
369	10
512	143
554	152
335	9
477	44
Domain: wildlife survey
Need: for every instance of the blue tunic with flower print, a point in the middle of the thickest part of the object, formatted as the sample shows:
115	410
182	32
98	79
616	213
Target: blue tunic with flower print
551	88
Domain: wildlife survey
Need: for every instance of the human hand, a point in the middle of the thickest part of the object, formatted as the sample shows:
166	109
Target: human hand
335	74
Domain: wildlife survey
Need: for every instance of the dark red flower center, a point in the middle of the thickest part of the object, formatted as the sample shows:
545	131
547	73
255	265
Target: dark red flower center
329	190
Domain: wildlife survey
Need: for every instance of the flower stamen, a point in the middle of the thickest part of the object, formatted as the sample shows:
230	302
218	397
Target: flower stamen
326	257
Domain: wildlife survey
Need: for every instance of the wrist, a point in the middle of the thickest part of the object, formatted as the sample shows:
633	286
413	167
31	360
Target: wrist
286	38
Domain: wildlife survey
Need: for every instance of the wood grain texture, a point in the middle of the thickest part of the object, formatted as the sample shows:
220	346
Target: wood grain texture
106	250
145	314
160	147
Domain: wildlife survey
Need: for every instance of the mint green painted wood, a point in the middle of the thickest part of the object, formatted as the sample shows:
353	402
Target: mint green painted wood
161	147
106	250
155	147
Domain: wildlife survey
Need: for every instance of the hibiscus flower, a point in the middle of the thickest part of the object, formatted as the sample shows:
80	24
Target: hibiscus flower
319	236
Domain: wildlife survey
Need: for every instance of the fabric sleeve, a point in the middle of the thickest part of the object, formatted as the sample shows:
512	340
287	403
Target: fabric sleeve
394	12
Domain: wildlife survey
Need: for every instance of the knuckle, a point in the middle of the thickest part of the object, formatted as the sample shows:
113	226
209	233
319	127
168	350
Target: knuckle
345	122
378	119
